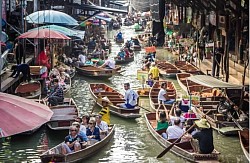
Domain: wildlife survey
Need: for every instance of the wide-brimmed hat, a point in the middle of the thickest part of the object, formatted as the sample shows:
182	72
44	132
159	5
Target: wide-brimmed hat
153	64
105	99
202	123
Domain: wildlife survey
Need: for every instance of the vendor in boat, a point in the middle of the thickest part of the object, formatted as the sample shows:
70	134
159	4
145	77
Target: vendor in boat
204	136
131	98
21	68
162	121
43	58
72	142
154	71
93	132
56	96
108	64
102	125
105	112
163	98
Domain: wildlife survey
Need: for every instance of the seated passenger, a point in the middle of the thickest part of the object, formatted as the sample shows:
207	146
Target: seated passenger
80	133
72	142
89	62
93	132
131	98
162	121
119	36
189	114
105	112
109	63
56	96
176	114
81	60
175	131
102	125
82	127
121	55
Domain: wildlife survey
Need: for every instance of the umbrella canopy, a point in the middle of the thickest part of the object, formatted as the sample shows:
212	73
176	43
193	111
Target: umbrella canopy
43	33
57	28
19	115
51	17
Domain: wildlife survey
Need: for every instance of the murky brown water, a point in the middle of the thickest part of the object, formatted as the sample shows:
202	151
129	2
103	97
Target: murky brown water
132	141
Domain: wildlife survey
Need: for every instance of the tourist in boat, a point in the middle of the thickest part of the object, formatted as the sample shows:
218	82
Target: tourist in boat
93	132
88	61
177	114
204	136
105	112
82	127
121	55
85	121
154	71
109	63
102	125
162	121
56	96
72	142
43	58
163	97
21	68
81	60
119	36
185	138
80	132
175	131
131	98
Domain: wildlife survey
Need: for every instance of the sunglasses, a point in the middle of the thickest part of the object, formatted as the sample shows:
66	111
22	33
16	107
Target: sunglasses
91	123
72	130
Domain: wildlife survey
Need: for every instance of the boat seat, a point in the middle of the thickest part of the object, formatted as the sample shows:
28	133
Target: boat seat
65	111
63	117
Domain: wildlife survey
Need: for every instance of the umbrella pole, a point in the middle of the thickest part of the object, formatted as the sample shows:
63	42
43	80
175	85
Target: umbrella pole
1	46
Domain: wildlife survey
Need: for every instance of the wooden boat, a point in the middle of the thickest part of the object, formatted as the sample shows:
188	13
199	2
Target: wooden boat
167	69
91	71
128	23
55	154
118	41
125	61
183	149
153	94
139	29
219	124
143	92
182	80
101	90
244	142
187	67
29	90
64	115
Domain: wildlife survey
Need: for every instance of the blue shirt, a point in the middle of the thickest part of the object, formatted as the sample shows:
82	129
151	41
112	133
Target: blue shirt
96	133
83	136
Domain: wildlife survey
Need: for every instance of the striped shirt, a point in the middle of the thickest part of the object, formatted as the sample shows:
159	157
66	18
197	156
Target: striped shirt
105	115
58	91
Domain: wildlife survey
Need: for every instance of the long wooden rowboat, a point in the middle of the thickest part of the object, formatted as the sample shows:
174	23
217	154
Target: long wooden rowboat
91	71
143	92
183	149
224	127
153	94
125	61
64	115
55	154
101	90
182	80
244	142
29	90
187	67
167	69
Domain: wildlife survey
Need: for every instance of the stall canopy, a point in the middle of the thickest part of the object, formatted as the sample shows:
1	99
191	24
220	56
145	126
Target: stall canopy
103	18
211	82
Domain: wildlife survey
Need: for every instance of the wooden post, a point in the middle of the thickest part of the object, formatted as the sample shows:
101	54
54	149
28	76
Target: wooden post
0	45
226	52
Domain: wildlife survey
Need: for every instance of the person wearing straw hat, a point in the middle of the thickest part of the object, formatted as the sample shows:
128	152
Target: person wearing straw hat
105	112
204	136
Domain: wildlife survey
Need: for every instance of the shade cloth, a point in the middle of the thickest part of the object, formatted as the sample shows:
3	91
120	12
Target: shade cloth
20	115
211	82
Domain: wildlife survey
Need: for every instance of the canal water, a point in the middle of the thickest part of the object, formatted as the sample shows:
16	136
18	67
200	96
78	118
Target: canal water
132	141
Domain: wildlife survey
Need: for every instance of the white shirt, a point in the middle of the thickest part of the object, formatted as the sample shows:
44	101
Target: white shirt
110	63
82	58
103	126
161	94
174	132
172	118
83	128
131	97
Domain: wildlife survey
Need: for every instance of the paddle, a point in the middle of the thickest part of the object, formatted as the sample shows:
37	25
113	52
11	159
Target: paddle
236	122
169	147
144	108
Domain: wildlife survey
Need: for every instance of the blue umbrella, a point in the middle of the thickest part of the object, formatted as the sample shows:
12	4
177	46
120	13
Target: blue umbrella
3	22
51	17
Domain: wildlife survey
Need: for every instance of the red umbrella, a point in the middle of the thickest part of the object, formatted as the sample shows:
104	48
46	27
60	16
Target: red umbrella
20	115
44	33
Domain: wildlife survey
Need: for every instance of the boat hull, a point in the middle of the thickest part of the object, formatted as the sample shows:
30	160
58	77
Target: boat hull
29	90
95	72
244	142
126	61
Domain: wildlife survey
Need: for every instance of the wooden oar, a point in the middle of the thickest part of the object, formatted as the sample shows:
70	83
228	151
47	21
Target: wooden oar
144	108
236	122
169	147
